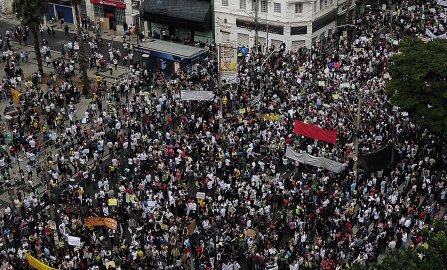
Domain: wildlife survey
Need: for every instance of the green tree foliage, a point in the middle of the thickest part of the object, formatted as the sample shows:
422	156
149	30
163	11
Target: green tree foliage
30	13
431	257
419	82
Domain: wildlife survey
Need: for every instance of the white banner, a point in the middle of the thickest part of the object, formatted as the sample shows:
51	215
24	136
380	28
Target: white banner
196	95
431	35
73	240
320	162
442	3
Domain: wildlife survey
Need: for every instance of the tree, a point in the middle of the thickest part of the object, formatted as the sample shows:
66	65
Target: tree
419	82
431	257
82	59
30	13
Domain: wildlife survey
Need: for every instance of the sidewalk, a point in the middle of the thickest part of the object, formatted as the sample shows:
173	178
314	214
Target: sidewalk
105	34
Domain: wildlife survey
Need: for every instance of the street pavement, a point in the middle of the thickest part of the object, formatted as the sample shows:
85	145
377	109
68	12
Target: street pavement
8	22
28	68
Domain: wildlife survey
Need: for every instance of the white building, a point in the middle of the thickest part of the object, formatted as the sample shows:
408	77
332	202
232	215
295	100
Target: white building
298	23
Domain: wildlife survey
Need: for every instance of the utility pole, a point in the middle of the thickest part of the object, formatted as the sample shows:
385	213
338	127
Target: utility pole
267	37
220	95
357	130
255	2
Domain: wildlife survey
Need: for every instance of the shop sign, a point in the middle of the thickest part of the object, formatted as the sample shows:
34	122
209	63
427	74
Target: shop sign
109	3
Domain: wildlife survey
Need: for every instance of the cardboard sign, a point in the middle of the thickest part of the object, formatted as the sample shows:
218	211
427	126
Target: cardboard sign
192	227
250	233
113	202
150	203
110	264
164	227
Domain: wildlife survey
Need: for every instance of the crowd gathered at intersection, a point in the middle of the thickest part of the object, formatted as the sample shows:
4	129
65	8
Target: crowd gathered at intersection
207	182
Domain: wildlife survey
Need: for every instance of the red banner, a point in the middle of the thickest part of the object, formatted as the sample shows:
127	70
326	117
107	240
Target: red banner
315	132
109	3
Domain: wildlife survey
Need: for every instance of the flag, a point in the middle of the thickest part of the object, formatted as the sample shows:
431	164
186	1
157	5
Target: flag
370	102
315	132
380	159
36	263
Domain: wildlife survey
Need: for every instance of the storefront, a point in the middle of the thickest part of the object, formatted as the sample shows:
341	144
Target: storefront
183	21
110	13
59	9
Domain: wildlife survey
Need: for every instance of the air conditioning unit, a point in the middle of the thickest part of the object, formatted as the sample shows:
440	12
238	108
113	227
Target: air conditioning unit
135	4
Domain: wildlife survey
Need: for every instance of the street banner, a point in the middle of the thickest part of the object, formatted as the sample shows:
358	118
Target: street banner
188	95
37	264
431	35
315	132
228	62
100	221
380	159
320	162
442	3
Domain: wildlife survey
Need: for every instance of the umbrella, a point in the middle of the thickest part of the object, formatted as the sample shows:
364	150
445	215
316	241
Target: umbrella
244	50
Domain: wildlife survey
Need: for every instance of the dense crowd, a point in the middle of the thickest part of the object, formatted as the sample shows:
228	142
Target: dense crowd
191	187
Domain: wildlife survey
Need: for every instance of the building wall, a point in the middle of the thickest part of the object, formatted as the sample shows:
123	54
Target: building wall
6	7
129	14
297	26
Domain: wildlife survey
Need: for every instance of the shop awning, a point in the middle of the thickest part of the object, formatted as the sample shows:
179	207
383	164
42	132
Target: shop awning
196	12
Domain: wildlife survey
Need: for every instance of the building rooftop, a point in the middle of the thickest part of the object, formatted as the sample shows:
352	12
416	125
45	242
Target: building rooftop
170	48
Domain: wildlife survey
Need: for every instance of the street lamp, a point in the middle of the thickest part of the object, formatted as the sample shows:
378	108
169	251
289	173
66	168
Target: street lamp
356	125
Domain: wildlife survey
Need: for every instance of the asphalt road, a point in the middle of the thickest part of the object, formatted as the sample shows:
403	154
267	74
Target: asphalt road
57	42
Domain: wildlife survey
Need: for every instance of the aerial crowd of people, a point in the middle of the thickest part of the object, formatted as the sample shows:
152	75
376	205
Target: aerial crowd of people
187	186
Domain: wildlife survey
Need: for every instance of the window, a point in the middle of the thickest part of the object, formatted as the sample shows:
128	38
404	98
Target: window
277	8
264	7
83	8
298	7
315	6
325	3
243	4
98	11
120	15
298	30
321	4
225	3
332	1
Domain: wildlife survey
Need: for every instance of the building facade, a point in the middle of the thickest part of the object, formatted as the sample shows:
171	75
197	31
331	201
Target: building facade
297	23
108	13
184	21
113	13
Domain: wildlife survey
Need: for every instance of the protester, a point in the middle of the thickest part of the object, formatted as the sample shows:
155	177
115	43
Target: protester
190	186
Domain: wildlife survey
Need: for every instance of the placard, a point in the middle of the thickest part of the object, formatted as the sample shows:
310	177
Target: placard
192	227
200	195
113	202
250	233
